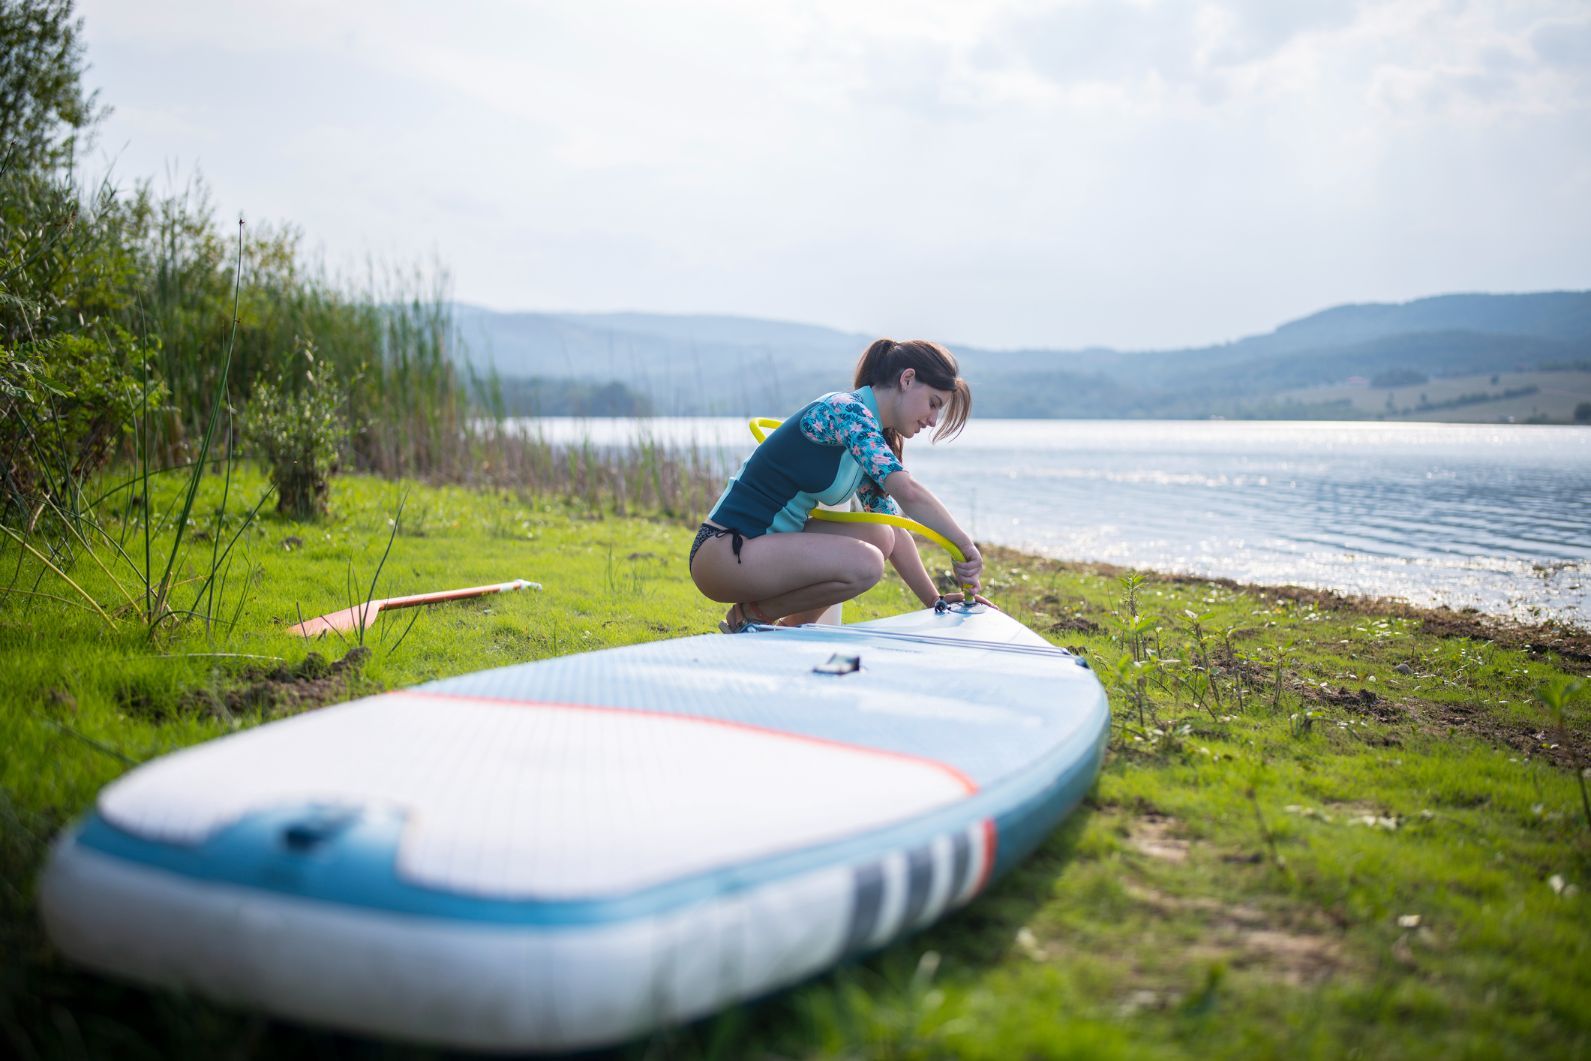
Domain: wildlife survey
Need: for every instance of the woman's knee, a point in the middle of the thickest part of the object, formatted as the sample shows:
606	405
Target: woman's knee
879	537
865	566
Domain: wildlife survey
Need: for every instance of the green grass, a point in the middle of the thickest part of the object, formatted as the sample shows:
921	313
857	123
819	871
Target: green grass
1391	861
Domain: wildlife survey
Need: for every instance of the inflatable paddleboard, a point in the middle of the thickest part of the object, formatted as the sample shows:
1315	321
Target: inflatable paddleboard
571	852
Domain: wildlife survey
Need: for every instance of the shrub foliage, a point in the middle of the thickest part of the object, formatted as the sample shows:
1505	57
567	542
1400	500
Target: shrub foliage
117	307
299	431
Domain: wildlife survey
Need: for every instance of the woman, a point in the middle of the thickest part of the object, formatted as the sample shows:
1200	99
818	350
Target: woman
760	553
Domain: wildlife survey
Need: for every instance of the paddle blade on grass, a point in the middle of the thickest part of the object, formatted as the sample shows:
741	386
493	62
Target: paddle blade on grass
362	615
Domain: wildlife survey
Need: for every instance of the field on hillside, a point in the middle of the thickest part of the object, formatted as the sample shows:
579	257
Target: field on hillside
1552	400
1324	828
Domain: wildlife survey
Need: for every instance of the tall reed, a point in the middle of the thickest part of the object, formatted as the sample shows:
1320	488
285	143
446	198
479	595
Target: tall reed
158	280
641	476
393	340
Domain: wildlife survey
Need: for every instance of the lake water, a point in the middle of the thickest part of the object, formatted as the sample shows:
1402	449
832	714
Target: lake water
1492	517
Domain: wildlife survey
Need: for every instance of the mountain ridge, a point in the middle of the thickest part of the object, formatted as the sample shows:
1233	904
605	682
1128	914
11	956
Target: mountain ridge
723	364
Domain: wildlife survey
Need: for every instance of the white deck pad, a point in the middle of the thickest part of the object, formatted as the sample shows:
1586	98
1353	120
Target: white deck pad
503	797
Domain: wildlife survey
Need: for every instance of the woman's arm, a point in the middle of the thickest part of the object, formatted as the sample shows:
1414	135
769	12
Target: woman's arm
909	563
920	504
846	421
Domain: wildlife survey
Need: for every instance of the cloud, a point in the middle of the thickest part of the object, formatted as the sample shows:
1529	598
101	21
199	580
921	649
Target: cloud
1564	44
1004	171
1255	30
1482	62
1128	44
1099	41
1430	56
915	76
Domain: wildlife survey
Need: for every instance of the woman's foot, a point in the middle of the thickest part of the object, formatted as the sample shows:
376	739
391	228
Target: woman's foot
741	616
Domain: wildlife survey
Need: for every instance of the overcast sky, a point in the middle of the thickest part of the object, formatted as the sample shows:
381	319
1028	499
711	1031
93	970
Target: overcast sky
1131	173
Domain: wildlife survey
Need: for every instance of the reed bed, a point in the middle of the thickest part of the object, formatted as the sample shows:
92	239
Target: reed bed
643	476
414	406
133	336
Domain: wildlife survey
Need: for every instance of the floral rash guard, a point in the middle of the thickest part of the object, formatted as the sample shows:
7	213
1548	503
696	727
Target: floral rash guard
830	451
845	420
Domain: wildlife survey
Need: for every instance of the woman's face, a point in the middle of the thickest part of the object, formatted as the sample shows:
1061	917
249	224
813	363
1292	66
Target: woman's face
917	405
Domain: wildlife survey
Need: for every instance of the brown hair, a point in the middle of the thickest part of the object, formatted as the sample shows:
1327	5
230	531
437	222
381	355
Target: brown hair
882	363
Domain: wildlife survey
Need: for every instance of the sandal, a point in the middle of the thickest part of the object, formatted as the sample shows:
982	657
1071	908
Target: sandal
743	623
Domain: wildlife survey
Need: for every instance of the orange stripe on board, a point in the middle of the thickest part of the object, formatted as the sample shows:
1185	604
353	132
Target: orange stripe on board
991	844
967	784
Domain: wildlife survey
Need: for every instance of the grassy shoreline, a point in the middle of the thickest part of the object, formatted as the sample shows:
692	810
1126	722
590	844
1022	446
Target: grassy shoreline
1326	826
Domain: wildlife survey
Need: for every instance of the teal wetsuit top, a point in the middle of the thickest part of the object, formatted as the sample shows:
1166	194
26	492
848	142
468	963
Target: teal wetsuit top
830	451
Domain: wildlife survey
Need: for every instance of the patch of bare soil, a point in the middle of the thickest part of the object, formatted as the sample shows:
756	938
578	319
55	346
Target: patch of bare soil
1246	937
1151	835
1567	750
1366	702
1571	645
284	690
1478	720
1075	624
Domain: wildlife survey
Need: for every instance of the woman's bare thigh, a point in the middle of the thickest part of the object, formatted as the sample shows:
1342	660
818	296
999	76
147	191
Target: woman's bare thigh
879	536
775	564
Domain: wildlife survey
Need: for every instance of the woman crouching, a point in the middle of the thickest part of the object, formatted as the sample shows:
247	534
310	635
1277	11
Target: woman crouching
761	553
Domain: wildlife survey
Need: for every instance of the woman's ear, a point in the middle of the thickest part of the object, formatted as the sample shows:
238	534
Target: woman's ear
906	378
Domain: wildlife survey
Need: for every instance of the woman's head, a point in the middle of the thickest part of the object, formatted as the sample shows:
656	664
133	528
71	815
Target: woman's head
920	381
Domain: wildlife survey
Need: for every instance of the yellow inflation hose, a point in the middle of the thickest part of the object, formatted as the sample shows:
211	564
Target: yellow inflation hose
763	426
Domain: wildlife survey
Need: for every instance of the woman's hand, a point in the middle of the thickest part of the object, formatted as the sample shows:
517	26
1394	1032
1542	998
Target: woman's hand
968	570
977	598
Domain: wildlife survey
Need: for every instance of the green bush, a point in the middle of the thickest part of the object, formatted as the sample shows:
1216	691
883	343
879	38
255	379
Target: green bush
41	77
67	403
106	294
72	373
299	434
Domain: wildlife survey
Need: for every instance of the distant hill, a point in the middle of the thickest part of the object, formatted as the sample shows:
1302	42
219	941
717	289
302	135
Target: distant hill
724	365
1557	315
681	365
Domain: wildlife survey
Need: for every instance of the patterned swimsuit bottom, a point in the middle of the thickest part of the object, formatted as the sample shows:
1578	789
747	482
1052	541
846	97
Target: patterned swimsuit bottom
736	540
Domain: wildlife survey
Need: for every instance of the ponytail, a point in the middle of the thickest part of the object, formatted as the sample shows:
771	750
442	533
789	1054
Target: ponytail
882	363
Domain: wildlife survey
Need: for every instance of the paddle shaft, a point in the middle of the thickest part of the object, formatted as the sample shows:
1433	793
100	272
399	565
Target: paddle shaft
362	615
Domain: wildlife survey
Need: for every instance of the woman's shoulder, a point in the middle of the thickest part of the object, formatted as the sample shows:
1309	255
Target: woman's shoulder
847	407
843	418
830	418
850	402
